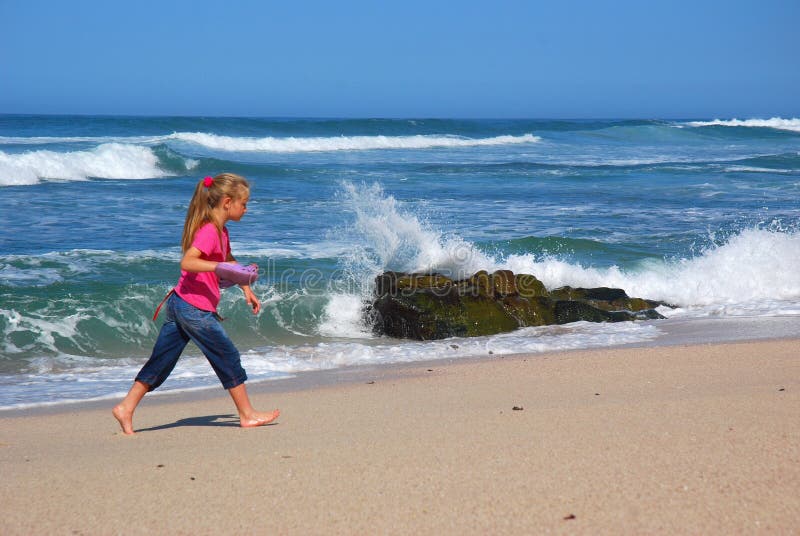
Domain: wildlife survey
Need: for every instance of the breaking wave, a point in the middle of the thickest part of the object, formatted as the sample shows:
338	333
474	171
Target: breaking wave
109	161
752	272
775	122
342	143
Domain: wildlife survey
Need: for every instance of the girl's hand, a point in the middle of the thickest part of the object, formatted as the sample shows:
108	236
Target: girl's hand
231	273
252	300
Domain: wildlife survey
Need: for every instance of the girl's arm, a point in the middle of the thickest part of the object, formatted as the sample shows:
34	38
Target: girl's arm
251	298
191	261
249	295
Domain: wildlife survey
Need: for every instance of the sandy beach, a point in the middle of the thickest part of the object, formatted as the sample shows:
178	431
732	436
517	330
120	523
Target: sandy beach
696	439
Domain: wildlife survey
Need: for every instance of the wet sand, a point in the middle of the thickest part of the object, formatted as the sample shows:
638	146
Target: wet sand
681	439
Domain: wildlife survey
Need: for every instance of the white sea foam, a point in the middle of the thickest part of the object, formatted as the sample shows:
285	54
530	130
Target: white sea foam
28	276
341	143
755	169
48	140
316	250
775	122
44	269
751	273
343	317
78	379
754	271
109	161
337	354
77	324
275	144
44	328
387	237
384	236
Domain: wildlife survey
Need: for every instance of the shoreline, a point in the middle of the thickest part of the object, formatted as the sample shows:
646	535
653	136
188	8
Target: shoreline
674	332
691	438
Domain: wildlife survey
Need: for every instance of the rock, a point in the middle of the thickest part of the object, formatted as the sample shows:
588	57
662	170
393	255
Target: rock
530	287
504	283
433	306
608	299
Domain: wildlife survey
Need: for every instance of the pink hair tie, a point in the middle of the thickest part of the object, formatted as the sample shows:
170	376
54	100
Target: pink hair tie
208	181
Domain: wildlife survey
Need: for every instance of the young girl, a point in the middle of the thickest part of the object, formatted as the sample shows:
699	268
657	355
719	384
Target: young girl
191	306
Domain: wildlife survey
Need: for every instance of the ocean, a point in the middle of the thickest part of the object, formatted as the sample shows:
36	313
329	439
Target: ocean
701	214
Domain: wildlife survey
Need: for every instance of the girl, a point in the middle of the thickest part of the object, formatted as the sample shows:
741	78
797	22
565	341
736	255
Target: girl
192	304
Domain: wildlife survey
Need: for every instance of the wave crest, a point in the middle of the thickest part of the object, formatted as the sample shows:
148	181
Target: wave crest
750	269
108	161
744	270
342	143
775	122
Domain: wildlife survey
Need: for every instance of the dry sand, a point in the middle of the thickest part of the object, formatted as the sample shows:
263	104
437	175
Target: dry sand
688	439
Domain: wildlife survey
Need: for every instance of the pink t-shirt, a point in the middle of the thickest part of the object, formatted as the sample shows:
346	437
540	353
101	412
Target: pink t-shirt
201	289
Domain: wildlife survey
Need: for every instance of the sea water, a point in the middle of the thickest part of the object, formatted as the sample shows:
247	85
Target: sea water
701	214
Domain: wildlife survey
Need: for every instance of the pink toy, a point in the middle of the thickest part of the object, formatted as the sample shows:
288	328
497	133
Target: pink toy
230	274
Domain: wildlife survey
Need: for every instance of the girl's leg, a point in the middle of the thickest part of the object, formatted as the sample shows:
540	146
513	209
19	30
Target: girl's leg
249	417
166	351
123	411
206	331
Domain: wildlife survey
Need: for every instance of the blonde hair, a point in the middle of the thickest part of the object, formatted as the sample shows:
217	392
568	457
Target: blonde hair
205	198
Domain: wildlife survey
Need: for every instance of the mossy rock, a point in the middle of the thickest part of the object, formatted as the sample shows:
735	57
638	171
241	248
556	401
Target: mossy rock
536	311
426	315
530	287
600	294
574	311
393	282
605	298
480	284
423	281
504	283
432	306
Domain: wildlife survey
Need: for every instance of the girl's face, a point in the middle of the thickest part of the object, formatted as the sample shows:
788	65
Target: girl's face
238	208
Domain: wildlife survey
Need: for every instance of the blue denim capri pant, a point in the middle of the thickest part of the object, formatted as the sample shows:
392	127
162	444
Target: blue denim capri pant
184	323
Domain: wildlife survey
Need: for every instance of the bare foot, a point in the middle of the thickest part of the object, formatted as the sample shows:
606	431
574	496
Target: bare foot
258	418
125	419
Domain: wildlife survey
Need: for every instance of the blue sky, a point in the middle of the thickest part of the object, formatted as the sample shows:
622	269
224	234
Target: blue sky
563	59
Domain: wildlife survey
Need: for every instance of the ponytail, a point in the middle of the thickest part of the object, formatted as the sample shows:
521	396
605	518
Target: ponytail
207	194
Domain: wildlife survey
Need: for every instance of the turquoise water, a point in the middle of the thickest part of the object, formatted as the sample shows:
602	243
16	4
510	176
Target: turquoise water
700	214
